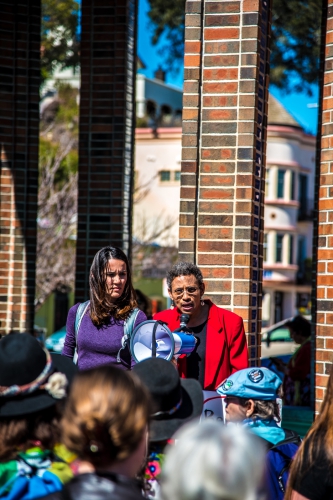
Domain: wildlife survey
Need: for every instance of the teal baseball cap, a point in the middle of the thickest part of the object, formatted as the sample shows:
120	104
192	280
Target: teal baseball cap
252	383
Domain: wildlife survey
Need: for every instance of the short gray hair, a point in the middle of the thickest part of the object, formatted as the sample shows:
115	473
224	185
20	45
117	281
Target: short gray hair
211	461
184	269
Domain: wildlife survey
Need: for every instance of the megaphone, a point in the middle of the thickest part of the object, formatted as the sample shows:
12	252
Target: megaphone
154	339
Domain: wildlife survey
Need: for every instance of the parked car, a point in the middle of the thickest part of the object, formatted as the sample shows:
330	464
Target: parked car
55	342
276	343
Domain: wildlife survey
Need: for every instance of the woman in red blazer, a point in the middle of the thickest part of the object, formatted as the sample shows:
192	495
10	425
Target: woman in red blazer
221	344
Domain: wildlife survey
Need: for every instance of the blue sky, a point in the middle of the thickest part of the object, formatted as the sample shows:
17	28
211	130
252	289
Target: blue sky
301	106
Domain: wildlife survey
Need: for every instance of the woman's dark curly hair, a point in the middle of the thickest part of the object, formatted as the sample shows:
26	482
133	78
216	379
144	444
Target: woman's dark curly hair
184	269
101	305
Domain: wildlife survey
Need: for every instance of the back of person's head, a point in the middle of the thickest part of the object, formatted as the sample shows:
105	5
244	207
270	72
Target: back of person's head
300	325
144	302
211	461
106	415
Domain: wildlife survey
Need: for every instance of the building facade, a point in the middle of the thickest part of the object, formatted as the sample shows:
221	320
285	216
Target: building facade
288	226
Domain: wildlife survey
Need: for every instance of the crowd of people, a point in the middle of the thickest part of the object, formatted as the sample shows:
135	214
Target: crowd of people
94	424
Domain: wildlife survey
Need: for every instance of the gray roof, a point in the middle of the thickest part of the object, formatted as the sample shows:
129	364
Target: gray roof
278	115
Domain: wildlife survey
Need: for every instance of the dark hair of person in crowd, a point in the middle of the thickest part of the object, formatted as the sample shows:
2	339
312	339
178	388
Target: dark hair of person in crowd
184	269
106	415
300	325
17	433
318	439
101	304
144	303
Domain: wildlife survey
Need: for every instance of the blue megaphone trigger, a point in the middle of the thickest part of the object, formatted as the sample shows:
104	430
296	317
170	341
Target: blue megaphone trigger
154	339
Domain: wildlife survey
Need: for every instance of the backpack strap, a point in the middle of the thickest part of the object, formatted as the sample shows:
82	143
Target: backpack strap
291	437
81	310
128	330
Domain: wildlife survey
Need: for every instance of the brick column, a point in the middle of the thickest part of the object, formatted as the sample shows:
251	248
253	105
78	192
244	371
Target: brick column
108	50
19	135
323	222
223	158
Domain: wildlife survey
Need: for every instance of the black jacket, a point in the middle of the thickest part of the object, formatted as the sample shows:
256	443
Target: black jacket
101	486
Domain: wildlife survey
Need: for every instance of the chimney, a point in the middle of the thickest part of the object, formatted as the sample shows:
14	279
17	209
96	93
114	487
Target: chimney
159	74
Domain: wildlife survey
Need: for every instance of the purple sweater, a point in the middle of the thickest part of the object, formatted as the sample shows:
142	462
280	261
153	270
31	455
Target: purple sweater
98	345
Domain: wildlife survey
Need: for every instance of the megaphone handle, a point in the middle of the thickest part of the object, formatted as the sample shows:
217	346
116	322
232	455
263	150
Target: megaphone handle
153	347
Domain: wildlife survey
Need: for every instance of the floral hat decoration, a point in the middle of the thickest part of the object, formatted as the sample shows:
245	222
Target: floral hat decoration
31	379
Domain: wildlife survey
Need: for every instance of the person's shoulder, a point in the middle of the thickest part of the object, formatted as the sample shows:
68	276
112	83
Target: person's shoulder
74	308
57	495
141	317
103	487
225	313
165	315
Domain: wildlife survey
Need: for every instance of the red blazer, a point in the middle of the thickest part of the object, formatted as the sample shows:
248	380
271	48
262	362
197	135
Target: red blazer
226	347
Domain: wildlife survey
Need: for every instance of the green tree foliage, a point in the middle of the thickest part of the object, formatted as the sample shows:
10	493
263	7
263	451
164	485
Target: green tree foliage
168	19
294	46
295	43
59	35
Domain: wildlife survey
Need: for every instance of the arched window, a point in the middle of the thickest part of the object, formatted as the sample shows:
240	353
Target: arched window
166	114
151	108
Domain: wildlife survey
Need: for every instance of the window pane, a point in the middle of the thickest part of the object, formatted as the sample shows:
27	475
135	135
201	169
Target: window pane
177	175
291	249
293	186
165	175
279	240
265	248
303	194
280	188
267	183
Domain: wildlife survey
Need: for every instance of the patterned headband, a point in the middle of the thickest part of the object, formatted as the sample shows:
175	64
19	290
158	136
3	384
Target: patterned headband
15	390
168	412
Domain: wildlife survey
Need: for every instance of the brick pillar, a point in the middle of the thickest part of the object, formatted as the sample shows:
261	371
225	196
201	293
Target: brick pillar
108	50
223	155
323	222
19	135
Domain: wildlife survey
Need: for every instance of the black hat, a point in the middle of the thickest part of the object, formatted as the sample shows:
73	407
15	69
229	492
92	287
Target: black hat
31	379
175	400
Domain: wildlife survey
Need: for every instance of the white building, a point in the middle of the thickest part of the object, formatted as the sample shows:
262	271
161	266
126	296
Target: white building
288	216
157	185
157	102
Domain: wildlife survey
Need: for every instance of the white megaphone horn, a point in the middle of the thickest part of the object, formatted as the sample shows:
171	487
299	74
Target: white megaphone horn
154	339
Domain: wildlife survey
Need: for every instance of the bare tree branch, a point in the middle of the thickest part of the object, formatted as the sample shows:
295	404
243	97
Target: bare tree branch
57	215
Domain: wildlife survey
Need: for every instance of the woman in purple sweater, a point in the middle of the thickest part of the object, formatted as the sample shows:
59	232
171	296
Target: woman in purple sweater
112	300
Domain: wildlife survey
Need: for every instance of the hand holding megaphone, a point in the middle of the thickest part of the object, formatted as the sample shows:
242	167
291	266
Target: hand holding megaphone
154	339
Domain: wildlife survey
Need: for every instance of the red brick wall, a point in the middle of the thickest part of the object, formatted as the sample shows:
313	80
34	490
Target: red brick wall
106	131
323	224
19	133
223	152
